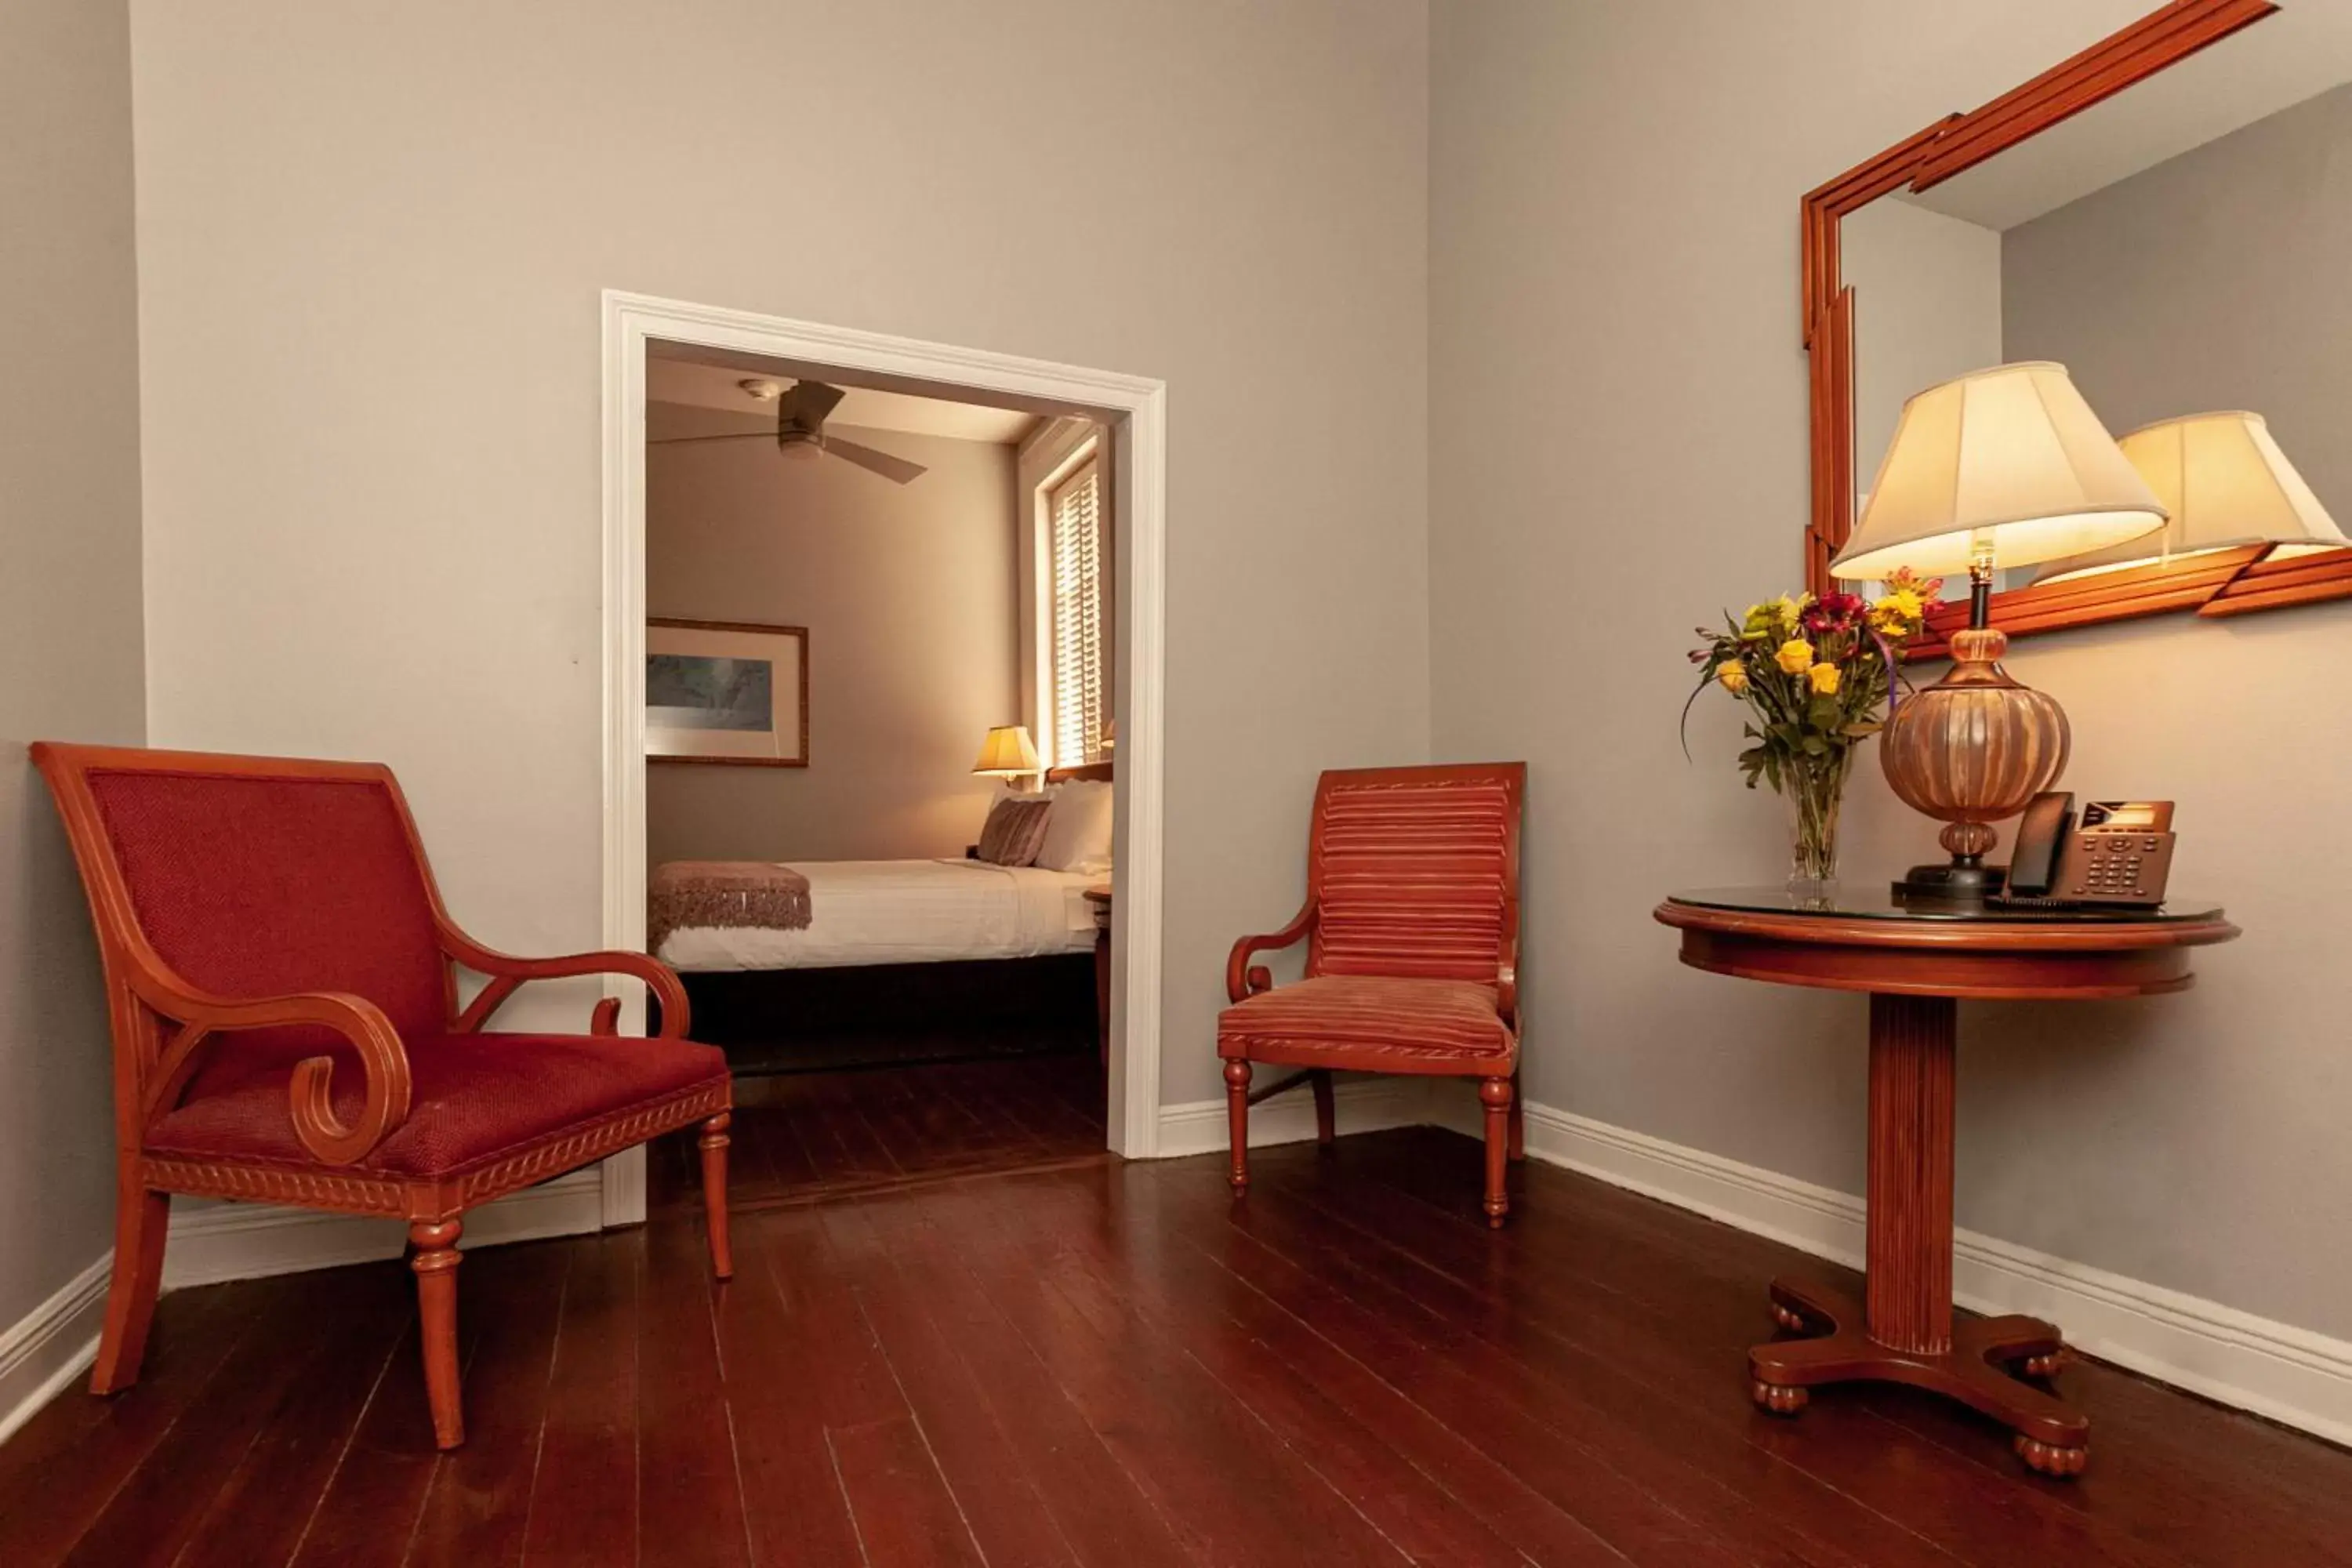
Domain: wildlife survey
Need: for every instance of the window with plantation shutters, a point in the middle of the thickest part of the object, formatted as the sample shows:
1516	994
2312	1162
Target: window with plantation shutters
1078	559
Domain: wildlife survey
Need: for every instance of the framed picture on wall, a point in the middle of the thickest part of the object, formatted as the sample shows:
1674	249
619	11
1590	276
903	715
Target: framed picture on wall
726	691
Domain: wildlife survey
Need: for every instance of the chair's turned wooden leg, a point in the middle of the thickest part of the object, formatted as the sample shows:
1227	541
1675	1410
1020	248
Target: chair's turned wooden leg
714	1193
1326	1124
141	1219
1495	1094
1237	1082
1519	1122
434	1260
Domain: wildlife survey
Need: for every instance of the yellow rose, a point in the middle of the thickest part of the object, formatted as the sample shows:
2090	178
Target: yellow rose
1903	603
1796	656
1824	677
1734	677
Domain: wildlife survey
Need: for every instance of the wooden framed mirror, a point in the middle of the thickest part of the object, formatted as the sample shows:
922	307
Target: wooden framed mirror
2177	243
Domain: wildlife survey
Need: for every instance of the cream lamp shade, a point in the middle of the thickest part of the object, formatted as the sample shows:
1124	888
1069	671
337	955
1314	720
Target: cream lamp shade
2226	483
2006	467
1008	753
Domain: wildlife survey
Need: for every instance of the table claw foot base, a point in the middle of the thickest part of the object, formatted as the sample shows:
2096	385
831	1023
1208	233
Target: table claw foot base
2063	1463
2052	1436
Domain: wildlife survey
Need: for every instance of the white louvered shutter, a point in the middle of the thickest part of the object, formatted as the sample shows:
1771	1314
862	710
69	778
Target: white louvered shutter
1080	702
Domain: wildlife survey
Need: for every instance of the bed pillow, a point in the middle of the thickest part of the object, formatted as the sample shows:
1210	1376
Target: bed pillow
1015	829
1077	836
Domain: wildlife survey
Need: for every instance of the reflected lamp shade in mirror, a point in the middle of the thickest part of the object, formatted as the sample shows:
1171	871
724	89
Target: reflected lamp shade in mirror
1008	753
2001	467
2227	485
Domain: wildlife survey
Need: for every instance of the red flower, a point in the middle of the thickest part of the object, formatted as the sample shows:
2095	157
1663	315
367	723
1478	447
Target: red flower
1834	611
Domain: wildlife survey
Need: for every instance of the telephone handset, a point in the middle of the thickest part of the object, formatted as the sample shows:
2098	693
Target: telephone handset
2117	856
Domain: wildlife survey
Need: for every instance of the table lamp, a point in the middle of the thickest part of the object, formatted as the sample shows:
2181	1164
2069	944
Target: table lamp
2227	485
1008	753
1999	467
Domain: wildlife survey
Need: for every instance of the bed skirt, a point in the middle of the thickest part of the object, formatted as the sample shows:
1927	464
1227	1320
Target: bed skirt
785	1020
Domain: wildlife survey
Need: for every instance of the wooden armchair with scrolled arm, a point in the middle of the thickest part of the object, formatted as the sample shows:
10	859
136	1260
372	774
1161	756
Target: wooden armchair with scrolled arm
1412	926
281	981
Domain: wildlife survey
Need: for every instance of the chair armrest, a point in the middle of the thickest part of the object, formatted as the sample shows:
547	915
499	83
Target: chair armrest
508	973
383	1059
1242	980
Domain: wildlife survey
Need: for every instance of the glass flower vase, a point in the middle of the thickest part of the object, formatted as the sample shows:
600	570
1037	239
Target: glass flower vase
1814	788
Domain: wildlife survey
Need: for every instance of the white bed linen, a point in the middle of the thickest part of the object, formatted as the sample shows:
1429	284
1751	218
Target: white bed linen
905	911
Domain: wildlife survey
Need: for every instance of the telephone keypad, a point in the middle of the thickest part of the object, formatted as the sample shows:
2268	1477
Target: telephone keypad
2117	866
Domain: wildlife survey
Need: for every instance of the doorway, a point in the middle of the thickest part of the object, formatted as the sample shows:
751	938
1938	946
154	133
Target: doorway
1130	409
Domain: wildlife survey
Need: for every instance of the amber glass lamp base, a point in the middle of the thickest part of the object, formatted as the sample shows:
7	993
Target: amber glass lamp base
1970	751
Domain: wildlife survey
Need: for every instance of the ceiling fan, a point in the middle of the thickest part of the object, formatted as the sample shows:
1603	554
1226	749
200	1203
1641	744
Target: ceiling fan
800	429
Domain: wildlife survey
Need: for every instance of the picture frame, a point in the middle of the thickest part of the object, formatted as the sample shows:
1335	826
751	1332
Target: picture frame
728	692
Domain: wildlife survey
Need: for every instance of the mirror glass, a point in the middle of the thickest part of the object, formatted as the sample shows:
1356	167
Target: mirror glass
2184	247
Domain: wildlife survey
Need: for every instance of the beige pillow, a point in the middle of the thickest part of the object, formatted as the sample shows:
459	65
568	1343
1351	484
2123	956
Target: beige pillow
1078	838
1016	828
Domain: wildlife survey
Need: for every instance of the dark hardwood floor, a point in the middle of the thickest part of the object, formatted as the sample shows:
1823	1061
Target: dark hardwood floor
980	1342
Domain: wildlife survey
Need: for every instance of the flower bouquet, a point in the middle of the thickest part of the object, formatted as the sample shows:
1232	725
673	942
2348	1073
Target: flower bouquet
1814	673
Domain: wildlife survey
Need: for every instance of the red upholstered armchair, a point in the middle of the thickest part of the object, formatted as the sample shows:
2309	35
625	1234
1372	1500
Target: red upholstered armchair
1412	927
281	979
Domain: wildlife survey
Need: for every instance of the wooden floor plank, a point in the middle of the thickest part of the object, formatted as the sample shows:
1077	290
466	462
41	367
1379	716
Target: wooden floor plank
60	1467
510	1299
1096	1503
1645	1332
159	1507
959	1334
995	1497
691	1504
799	1360
584	1507
1418	1485
1228	1483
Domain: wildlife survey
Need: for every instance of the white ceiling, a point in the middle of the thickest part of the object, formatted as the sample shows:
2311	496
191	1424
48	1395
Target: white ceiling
2297	52
706	386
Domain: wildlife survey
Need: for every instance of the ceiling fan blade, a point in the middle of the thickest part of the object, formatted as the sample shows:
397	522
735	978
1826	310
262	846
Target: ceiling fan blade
898	471
769	436
807	404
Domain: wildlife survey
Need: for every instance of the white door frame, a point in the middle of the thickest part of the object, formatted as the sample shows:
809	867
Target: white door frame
630	321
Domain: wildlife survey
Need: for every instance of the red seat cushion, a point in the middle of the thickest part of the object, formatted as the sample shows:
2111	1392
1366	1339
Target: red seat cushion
473	1098
1372	1022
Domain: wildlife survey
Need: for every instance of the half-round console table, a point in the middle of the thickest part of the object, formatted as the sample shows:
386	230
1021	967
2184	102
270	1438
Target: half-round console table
1916	963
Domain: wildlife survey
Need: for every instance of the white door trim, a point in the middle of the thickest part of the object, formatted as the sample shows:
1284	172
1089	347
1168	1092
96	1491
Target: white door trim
1137	405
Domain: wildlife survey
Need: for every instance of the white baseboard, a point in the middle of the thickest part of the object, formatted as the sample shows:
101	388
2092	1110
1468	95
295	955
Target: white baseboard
51	1345
2289	1374
1366	1105
56	1343
251	1241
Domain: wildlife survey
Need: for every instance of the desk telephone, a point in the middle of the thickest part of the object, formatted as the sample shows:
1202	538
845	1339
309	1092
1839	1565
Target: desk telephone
2117	856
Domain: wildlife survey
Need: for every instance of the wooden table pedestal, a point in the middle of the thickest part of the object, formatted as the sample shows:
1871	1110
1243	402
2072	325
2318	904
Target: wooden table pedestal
1901	1331
1915	967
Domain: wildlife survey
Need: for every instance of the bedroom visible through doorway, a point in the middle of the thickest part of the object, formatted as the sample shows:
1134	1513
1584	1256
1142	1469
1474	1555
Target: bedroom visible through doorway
880	725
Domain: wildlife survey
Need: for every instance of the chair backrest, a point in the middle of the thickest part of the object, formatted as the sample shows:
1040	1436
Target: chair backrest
254	877
1415	871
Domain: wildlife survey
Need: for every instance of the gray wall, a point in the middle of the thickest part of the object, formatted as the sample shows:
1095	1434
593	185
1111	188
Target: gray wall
1618	449
370	249
908	595
2216	280
69	615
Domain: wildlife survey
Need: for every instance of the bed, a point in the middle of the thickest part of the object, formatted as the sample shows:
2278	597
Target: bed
799	965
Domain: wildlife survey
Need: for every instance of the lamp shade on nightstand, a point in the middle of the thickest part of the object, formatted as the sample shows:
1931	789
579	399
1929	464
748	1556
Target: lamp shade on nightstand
2009	461
2227	485
2006	467
1007	753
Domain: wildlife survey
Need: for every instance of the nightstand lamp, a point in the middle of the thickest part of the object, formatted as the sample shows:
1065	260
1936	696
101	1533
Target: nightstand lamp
2227	485
2001	467
1009	753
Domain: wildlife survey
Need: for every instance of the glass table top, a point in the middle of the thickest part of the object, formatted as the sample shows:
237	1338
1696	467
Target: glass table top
1875	900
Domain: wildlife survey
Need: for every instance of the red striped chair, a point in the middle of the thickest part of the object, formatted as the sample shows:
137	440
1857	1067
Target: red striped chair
1412	927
